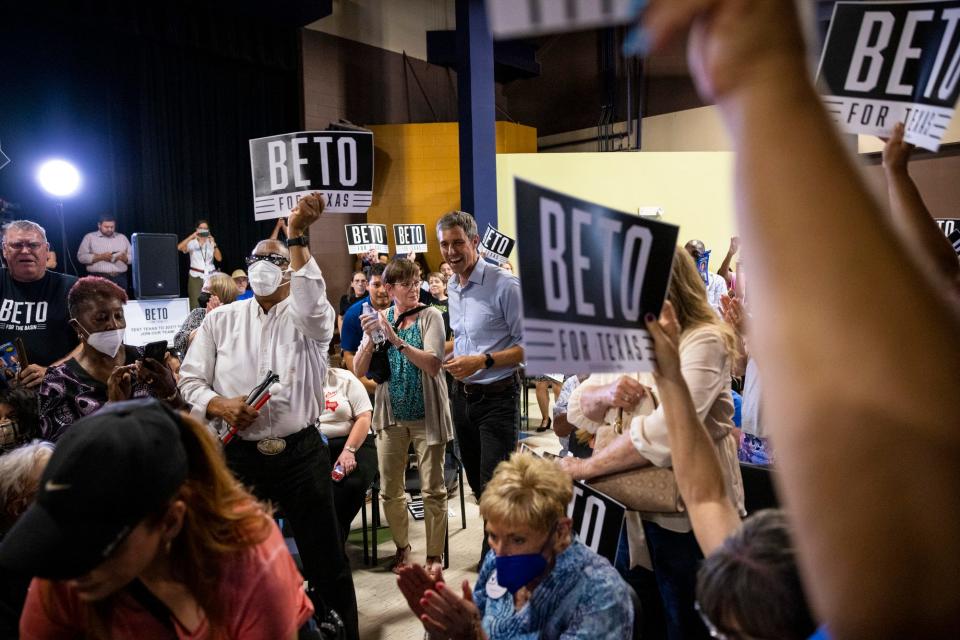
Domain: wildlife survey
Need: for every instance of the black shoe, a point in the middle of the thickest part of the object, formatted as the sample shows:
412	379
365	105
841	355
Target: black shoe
544	427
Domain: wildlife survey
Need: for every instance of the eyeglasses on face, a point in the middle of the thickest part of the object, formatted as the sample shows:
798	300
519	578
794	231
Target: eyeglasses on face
20	246
274	258
413	284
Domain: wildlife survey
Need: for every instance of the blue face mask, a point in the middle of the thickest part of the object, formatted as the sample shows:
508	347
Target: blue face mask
513	572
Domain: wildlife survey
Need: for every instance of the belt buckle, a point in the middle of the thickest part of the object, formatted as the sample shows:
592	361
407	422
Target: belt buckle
271	446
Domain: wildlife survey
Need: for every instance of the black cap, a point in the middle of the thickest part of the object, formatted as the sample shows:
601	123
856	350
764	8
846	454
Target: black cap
107	473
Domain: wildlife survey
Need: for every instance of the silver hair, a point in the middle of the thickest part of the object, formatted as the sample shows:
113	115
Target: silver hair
460	219
24	225
18	475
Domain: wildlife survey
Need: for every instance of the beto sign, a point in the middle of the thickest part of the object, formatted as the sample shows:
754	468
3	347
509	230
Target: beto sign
590	274
364	237
495	245
410	238
597	519
889	62
515	18
287	167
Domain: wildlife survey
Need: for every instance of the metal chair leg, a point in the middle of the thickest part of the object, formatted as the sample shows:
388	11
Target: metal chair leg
463	500
446	548
375	515
363	526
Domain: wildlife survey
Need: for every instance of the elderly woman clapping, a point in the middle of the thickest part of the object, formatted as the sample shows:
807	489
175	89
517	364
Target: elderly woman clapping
537	581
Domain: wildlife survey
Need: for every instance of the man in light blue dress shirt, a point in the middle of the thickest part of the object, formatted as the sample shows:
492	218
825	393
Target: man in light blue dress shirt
485	315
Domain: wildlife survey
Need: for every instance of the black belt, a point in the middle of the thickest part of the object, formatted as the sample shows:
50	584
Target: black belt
289	440
498	387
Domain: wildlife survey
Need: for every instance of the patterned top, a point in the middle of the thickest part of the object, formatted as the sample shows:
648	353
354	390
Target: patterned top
181	341
69	393
582	597
406	387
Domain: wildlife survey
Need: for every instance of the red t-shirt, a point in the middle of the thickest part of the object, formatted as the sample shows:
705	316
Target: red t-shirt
261	586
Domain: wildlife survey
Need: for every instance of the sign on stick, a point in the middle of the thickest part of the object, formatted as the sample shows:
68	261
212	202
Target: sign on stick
287	167
152	320
364	237
495	245
410	238
889	62
516	18
590	274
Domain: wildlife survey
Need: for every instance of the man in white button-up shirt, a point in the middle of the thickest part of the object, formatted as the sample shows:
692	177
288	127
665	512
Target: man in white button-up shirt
286	328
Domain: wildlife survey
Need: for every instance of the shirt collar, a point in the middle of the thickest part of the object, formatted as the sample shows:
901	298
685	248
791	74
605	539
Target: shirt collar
476	276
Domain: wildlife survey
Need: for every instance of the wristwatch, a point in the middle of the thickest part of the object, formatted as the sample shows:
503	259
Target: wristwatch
349	448
299	241
488	362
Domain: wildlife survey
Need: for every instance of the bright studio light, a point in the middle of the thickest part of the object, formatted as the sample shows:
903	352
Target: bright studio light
59	178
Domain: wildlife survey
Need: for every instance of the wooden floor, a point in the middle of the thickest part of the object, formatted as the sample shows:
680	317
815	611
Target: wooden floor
383	611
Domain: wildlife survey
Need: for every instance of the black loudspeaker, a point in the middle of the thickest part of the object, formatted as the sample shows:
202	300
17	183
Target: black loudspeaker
156	265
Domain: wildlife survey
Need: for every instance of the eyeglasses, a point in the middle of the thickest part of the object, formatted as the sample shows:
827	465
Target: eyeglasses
413	284
714	631
274	258
20	246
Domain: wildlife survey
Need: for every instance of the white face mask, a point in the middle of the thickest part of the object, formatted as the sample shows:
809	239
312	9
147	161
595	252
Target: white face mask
106	342
264	277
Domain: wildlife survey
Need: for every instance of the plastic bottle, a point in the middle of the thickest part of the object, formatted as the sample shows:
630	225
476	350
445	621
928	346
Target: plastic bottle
337	474
378	336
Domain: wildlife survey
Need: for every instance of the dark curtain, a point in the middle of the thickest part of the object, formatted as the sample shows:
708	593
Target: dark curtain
155	104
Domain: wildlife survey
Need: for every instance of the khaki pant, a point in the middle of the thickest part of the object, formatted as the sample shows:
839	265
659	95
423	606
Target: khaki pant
194	287
392	446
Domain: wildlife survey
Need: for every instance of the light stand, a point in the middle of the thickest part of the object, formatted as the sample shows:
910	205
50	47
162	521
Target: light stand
61	179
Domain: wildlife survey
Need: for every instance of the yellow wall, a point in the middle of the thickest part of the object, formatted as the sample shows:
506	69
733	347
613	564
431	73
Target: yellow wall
695	189
417	172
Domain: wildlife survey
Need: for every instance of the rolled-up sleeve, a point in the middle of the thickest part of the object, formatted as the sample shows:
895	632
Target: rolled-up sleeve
575	414
512	306
197	373
313	315
704	366
85	252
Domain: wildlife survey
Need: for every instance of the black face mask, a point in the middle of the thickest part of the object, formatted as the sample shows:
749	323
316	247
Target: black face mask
203	299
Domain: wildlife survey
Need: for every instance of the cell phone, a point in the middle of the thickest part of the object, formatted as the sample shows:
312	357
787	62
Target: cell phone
156	350
21	353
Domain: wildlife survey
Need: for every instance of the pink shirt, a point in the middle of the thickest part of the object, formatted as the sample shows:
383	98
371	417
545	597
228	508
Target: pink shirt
262	588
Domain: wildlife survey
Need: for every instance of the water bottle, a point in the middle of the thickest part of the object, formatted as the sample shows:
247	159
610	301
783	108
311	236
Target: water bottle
378	336
338	473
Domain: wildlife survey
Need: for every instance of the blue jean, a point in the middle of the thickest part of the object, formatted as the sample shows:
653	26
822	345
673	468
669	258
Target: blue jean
651	621
676	559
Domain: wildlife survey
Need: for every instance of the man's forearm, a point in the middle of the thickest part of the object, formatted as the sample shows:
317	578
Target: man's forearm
215	408
510	357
